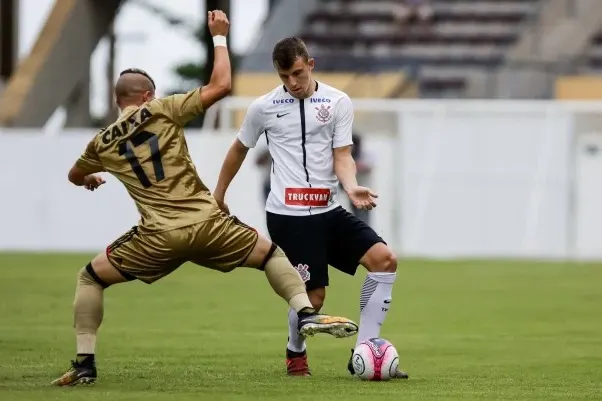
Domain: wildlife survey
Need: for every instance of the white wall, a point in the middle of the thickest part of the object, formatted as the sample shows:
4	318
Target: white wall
588	196
486	184
40	209
453	182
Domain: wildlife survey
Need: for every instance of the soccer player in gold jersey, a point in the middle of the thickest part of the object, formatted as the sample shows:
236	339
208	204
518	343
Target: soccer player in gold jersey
180	221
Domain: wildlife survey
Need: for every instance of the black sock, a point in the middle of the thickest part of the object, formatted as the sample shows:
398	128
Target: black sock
306	311
293	354
85	359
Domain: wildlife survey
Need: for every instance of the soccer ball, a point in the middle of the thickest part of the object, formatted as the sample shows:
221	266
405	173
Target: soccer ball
375	359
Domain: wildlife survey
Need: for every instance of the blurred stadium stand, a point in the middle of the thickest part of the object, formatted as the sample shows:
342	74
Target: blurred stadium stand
356	84
464	35
554	44
56	71
578	88
588	85
364	37
512	49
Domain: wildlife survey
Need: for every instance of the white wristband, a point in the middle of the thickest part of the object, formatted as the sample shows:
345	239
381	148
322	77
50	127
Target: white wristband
220	40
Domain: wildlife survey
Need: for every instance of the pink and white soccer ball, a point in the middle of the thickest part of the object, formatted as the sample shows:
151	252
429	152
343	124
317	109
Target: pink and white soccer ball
375	359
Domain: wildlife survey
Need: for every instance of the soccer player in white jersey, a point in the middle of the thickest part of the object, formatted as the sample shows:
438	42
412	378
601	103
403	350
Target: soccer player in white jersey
308	126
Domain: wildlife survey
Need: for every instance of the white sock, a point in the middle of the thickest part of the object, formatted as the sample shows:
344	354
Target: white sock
296	342
375	301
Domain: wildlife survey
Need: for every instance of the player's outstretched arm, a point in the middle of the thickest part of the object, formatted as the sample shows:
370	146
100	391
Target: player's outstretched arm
184	107
220	83
234	158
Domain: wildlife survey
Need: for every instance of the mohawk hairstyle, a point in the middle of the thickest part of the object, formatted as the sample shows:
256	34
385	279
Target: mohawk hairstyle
140	72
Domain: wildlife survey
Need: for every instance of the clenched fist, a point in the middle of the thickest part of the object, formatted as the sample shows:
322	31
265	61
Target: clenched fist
92	182
218	23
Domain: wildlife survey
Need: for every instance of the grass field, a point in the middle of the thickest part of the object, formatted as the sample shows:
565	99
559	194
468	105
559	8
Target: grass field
464	330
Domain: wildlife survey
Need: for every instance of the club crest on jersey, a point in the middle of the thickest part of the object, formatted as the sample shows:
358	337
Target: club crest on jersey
323	113
303	272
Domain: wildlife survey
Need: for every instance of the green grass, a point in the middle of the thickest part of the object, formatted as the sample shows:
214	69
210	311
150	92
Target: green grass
477	330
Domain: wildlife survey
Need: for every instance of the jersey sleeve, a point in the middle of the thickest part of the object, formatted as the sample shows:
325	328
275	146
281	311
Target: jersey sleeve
252	126
182	107
89	161
343	123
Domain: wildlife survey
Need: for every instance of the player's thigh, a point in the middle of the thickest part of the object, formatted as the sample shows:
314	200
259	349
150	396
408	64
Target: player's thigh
224	243
303	240
147	257
349	240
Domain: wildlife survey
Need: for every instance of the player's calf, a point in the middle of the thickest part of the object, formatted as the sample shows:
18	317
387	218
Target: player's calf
281	275
287	283
375	296
92	280
296	354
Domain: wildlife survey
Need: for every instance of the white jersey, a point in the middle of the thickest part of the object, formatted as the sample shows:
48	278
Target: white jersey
301	136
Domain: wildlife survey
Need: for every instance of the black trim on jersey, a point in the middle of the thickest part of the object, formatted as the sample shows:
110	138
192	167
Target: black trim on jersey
302	111
303	133
267	140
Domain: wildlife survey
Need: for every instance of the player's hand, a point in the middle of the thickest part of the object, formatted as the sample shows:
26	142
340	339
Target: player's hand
362	197
223	206
92	182
218	23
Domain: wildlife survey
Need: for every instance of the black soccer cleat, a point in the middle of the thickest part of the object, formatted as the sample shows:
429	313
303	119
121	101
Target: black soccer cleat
400	374
350	364
77	374
311	322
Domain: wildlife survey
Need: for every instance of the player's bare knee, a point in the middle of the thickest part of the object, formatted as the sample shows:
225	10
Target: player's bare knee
316	297
389	263
380	259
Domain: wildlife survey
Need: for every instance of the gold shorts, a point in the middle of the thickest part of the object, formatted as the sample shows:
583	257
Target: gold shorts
221	242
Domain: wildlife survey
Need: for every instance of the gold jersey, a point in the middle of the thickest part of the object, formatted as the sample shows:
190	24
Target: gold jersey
146	151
